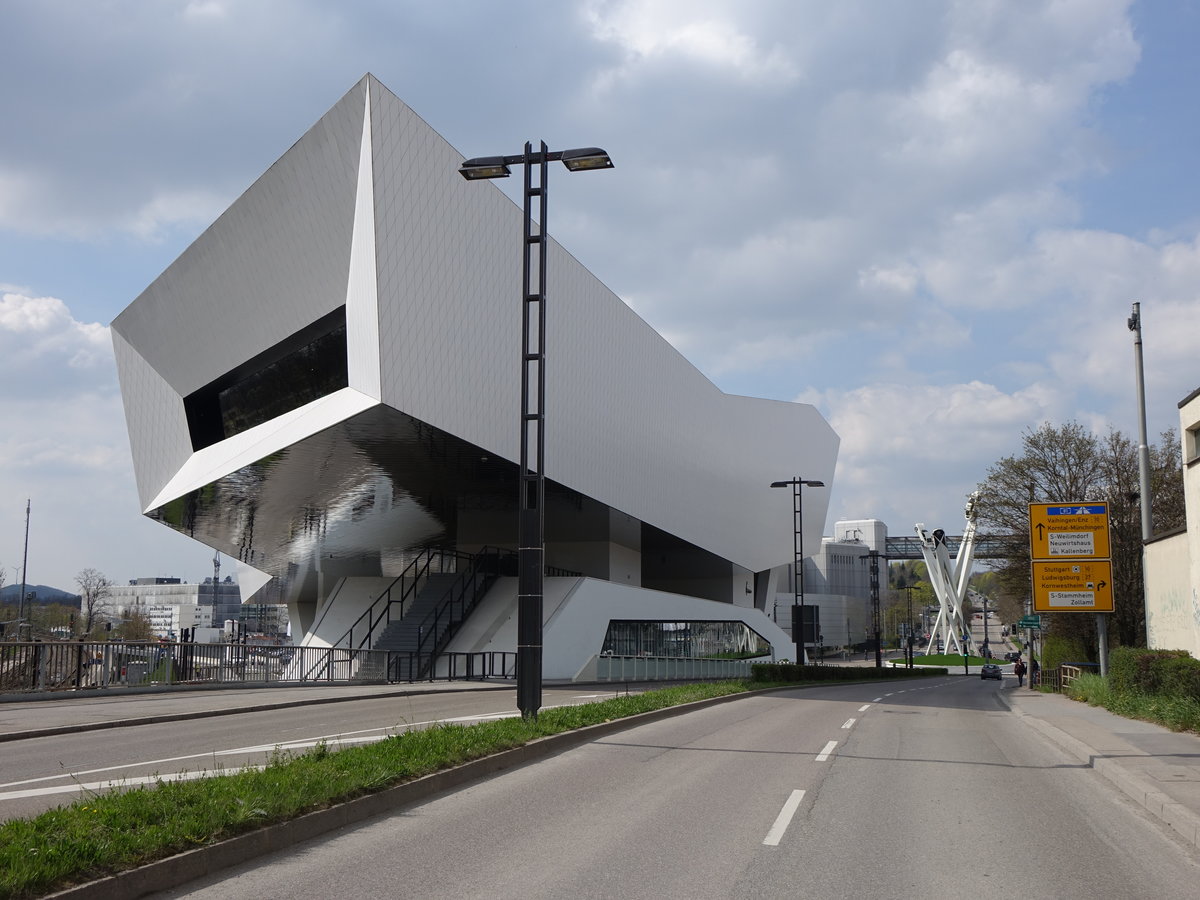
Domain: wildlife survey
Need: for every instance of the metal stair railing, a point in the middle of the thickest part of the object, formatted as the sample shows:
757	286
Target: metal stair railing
378	615
443	621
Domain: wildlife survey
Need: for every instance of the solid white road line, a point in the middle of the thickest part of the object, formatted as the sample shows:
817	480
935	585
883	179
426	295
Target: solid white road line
824	754
131	782
784	819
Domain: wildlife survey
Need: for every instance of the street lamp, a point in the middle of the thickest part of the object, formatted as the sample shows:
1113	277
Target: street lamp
796	485
1135	325
531	534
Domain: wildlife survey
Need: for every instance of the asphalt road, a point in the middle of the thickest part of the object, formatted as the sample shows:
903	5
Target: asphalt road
925	790
44	772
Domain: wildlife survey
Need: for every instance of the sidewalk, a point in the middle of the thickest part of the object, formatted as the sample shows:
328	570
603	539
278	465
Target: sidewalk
1153	766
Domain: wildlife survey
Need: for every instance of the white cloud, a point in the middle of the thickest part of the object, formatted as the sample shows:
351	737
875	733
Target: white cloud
706	34
64	447
40	338
913	452
206	10
878	206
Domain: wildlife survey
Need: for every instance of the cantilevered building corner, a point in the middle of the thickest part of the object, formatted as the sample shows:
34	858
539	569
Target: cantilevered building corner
326	382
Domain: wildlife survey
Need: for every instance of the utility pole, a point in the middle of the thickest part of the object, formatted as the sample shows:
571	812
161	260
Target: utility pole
874	557
1135	325
24	571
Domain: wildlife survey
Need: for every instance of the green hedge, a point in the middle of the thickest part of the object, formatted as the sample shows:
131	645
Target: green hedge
1169	673
1057	649
792	672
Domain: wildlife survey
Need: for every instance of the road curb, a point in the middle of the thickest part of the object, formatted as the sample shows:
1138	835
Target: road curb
1142	791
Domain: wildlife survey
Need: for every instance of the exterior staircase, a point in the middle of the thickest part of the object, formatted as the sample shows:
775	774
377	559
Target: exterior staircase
432	606
407	635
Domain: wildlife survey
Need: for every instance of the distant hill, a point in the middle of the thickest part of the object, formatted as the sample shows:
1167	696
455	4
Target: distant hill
10	593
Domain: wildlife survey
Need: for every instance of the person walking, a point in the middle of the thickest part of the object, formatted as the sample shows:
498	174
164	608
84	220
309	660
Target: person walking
1019	671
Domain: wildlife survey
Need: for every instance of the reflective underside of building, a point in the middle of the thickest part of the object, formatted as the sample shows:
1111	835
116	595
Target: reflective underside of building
327	382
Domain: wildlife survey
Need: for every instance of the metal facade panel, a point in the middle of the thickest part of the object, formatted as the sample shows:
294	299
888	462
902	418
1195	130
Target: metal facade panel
630	422
437	260
158	434
273	262
449	284
362	293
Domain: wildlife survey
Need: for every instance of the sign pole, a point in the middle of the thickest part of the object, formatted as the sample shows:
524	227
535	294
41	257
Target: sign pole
1102	637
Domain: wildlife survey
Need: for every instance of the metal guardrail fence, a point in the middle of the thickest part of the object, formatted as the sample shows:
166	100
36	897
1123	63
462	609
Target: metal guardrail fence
669	668
37	666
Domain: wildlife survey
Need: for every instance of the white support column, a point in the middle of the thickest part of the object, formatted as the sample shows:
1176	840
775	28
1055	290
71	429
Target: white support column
949	580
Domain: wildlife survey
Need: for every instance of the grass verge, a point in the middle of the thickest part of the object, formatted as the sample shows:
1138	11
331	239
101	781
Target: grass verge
1176	713
953	660
102	834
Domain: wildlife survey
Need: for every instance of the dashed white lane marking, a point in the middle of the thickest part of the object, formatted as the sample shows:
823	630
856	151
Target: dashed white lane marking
824	754
877	700
864	707
784	819
849	723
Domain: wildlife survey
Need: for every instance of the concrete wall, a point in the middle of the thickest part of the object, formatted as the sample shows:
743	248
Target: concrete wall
843	618
1172	564
1172	610
576	613
350	598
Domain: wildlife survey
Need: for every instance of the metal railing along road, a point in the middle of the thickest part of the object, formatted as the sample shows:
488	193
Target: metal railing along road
1066	674
669	668
38	666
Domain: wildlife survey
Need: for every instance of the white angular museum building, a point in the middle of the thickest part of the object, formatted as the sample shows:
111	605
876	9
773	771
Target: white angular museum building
326	386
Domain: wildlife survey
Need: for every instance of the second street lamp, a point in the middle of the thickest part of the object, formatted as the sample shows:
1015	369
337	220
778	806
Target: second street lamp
797	484
531	534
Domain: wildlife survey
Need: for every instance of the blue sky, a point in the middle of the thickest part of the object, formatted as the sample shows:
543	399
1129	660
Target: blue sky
928	219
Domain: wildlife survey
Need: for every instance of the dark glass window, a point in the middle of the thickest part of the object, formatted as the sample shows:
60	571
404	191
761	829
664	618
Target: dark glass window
687	640
305	366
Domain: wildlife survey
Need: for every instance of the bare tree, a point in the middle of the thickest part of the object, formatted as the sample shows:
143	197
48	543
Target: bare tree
94	590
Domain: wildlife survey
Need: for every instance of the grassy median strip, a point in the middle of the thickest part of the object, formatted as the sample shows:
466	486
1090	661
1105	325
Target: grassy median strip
101	834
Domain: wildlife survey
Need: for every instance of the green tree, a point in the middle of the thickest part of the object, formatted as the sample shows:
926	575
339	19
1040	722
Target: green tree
136	624
1068	463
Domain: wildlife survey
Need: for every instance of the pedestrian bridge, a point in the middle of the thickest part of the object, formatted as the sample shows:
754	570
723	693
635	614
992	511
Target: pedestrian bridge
987	546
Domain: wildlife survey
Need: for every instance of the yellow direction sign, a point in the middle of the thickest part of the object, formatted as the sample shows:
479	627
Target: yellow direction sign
1068	531
1079	585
